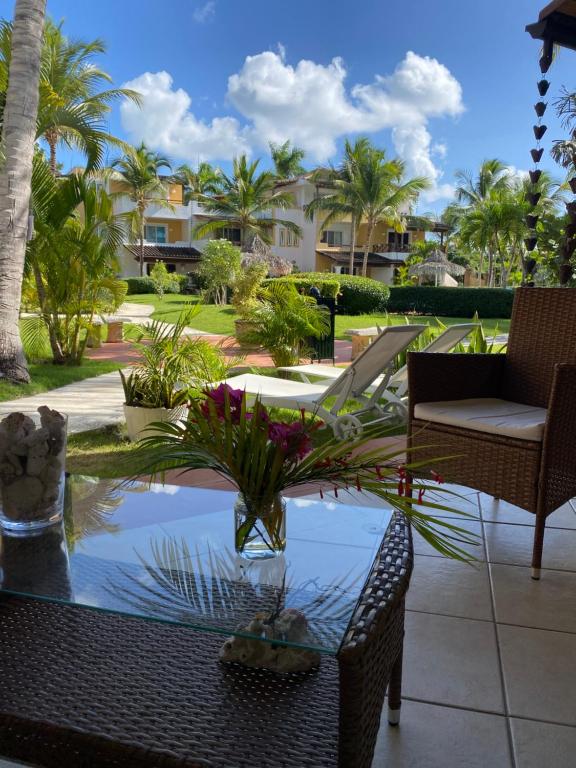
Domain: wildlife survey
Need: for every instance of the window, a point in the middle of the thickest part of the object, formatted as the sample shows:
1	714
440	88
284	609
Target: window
398	239
287	239
346	270
232	234
332	237
155	233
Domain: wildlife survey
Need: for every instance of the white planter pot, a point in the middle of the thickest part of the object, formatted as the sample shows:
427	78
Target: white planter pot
138	419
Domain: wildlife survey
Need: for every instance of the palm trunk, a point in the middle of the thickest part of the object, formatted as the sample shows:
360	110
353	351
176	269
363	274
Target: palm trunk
367	248
55	346
52	141
19	133
142	209
352	245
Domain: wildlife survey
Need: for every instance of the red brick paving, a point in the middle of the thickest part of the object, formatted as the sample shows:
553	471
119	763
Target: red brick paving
123	352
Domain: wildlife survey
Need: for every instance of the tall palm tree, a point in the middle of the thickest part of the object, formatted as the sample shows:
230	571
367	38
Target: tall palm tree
383	194
493	174
343	200
287	160
138	172
74	100
247	201
205	180
472	196
19	133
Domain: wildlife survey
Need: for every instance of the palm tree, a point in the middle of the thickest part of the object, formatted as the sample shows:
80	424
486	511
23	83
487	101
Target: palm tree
205	180
73	104
472	195
493	174
18	135
287	160
73	255
343	200
138	173
383	194
247	201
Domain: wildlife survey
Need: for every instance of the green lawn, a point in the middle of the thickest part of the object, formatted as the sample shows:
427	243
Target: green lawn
46	376
215	319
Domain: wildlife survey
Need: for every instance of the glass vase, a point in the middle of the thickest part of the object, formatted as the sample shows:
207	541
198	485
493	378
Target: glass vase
260	526
32	470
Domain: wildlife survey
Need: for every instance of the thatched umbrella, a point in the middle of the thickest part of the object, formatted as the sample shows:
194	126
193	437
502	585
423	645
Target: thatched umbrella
437	265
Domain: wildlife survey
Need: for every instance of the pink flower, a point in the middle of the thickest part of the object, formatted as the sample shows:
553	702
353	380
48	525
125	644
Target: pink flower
218	396
290	438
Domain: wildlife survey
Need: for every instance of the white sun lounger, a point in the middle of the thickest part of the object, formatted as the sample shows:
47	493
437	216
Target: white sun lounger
352	383
398	382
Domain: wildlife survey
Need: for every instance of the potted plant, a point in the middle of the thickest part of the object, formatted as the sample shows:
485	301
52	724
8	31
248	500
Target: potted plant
172	366
264	457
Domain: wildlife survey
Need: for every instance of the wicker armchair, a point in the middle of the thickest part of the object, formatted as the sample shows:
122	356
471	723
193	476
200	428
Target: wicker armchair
538	371
82	688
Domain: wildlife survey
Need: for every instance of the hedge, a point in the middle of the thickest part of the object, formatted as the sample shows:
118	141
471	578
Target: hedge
146	284
452	302
358	295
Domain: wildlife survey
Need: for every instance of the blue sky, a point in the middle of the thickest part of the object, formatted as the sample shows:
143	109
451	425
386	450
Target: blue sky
465	93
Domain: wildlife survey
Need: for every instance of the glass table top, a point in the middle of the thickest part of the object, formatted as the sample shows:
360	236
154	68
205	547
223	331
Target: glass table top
166	553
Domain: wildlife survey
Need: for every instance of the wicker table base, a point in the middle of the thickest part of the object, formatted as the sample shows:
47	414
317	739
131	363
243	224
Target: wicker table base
127	693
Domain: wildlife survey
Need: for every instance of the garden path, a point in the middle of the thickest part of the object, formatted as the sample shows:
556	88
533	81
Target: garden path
89	404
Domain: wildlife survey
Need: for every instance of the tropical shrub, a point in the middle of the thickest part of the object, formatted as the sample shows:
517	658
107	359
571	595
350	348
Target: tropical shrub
283	320
139	285
247	285
173	368
357	295
452	302
219	268
72	258
164	281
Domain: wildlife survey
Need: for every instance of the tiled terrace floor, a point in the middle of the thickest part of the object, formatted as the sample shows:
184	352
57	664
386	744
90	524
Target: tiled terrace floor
490	655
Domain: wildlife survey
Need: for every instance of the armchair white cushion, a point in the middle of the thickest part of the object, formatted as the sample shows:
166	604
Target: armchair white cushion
489	414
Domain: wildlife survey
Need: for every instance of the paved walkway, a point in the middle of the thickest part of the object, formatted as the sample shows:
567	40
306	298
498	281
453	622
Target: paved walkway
90	404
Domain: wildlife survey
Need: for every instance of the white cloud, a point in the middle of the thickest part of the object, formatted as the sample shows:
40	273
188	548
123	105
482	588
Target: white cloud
205	12
166	123
308	103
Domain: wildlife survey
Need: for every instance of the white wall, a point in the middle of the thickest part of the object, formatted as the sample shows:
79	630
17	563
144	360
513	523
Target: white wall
383	274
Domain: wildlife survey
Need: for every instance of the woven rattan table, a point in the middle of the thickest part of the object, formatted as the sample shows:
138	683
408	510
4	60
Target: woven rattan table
110	628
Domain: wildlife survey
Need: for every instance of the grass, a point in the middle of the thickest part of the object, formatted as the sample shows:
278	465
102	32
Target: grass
105	452
216	319
46	376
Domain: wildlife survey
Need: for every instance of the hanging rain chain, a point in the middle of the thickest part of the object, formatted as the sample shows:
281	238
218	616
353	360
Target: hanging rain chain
534	195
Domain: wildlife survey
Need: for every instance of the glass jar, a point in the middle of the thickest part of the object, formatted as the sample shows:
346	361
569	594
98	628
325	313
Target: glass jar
260	526
32	470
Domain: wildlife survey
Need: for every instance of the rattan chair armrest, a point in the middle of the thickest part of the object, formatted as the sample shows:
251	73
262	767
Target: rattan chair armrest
450	376
558	467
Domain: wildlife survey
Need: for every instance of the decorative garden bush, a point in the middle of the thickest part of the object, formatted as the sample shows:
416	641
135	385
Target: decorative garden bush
451	302
140	285
357	295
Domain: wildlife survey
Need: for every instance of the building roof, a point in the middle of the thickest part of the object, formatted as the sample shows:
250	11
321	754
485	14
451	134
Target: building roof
556	25
165	252
374	259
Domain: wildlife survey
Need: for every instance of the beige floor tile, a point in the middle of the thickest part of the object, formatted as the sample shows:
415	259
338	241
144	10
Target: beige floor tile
476	550
546	604
442	737
502	512
452	496
541	744
440	585
451	661
512	544
539	673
